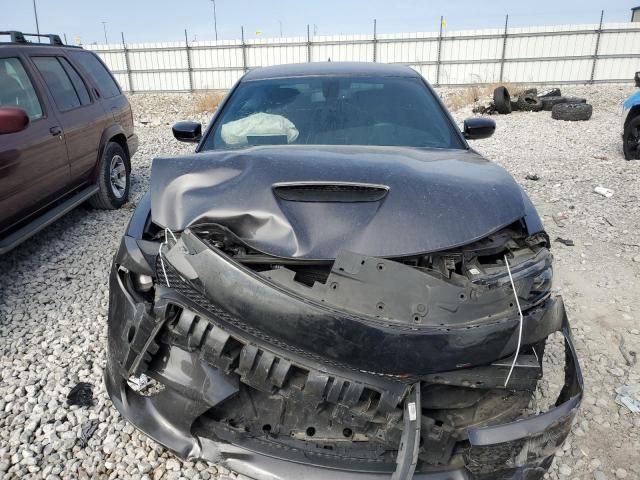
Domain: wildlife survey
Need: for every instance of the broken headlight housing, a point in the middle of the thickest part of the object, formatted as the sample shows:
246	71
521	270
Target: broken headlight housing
541	284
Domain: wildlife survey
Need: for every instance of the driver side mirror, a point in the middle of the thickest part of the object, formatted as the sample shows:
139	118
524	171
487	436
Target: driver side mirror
187	131
476	128
13	120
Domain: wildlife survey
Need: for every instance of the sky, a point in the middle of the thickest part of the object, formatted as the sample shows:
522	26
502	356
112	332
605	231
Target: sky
166	20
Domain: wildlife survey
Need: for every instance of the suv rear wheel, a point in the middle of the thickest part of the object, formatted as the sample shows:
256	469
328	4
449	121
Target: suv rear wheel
113	178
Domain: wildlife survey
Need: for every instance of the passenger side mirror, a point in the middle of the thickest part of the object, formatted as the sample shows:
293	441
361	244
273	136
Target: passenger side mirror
636	78
476	128
13	120
187	131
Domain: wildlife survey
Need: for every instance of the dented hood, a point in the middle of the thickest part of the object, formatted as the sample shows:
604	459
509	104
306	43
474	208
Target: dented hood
309	202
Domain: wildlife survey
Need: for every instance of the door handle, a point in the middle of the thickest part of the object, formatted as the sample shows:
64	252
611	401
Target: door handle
56	131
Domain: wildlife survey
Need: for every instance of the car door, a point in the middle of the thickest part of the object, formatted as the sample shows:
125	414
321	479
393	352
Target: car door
82	118
34	169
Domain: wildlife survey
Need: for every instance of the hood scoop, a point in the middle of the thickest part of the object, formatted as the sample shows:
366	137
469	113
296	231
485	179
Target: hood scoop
342	192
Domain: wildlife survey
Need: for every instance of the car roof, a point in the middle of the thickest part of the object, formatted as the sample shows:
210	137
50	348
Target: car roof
330	68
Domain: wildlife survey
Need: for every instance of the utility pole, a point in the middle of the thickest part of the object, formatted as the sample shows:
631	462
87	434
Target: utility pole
280	28
35	13
215	20
104	27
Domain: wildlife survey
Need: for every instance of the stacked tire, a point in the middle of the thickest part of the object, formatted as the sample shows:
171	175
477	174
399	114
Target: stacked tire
529	103
570	109
549	102
572	112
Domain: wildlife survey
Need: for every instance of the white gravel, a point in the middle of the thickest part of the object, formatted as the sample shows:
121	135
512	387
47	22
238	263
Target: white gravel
53	301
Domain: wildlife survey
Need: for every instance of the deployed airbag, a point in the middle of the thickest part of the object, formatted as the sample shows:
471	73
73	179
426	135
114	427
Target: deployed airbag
238	132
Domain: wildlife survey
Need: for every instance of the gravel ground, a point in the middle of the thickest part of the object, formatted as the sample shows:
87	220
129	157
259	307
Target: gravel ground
53	301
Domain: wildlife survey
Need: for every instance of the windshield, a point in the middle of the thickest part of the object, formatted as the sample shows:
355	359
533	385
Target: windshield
329	110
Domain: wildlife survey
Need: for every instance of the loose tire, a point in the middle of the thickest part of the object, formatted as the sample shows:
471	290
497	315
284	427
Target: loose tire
631	139
526	91
572	112
574	100
549	102
529	102
502	100
114	172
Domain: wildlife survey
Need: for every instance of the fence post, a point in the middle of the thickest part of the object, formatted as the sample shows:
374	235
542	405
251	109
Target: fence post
375	41
308	44
439	50
595	53
188	50
504	47
244	50
127	64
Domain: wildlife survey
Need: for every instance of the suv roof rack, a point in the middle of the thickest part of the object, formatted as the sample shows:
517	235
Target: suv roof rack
19	37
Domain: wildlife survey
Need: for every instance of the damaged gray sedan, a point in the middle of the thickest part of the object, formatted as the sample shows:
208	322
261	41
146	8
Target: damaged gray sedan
335	285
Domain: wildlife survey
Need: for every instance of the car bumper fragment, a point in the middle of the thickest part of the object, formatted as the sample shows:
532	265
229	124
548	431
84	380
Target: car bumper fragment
200	370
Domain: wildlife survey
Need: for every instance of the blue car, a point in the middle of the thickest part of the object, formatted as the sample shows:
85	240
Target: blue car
631	132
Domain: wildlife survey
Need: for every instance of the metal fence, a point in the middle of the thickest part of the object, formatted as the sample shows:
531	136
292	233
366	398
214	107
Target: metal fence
594	53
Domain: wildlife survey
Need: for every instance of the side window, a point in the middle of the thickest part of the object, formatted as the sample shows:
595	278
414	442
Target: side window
78	83
16	89
59	84
107	86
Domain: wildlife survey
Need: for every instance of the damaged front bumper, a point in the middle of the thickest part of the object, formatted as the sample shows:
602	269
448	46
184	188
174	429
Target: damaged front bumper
275	386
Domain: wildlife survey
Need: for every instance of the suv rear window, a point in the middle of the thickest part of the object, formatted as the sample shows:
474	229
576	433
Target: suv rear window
107	86
67	93
78	83
16	89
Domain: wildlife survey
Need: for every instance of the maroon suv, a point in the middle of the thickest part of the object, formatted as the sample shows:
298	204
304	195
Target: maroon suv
66	135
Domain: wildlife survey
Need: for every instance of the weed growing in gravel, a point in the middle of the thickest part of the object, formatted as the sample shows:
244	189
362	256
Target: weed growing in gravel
208	102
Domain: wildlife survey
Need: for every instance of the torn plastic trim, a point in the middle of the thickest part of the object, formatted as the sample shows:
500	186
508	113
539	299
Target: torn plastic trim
263	467
167	418
407	459
510	448
566	404
402	294
264	368
245	299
